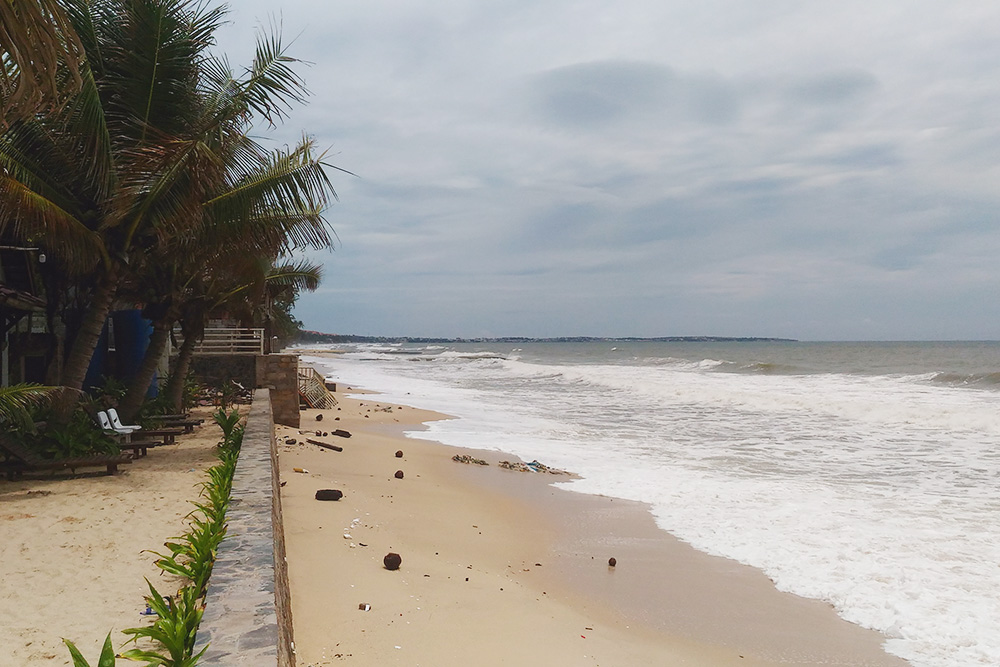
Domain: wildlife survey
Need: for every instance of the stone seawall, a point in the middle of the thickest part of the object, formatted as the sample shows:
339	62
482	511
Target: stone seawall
279	372
248	617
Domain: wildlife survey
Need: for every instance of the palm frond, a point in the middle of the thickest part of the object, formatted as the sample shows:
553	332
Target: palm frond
31	155
272	85
289	184
154	66
16	402
300	275
37	45
30	216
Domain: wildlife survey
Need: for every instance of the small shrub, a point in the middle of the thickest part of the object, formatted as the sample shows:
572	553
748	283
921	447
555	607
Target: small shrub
174	629
80	437
110	392
229	422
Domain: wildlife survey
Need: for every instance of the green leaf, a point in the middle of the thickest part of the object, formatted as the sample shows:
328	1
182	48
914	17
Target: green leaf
107	654
78	659
107	658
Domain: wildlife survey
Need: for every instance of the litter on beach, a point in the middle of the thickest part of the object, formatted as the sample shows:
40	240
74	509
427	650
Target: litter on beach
465	458
534	466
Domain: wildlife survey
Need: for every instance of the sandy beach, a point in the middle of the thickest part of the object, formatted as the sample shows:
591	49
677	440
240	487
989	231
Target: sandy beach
498	567
501	568
72	550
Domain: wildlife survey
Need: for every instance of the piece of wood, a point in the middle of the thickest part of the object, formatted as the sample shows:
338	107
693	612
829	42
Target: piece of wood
341	432
324	445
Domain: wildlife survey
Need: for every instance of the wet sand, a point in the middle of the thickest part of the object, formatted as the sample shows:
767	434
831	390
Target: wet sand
501	568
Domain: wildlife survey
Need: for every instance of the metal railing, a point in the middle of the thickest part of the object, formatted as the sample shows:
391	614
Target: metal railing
230	340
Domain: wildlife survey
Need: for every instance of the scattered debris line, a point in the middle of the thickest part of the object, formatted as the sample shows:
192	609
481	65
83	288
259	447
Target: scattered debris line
465	458
534	466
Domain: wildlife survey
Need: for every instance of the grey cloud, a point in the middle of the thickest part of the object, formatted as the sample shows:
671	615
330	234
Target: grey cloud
865	157
599	94
833	88
635	191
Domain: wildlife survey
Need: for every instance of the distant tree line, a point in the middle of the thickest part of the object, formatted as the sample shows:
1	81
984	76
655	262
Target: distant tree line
320	337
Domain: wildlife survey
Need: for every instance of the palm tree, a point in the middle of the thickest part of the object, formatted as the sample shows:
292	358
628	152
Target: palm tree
98	181
234	292
153	149
223	278
258	205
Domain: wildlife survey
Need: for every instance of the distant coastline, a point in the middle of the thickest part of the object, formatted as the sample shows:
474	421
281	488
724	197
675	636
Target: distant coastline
320	337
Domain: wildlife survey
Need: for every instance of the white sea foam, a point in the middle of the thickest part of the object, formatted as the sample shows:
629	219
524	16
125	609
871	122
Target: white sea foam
877	493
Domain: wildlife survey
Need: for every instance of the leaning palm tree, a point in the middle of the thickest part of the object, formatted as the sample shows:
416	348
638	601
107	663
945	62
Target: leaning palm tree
97	182
254	205
226	277
232	292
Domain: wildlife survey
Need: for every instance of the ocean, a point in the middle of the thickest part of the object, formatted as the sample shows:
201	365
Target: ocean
863	474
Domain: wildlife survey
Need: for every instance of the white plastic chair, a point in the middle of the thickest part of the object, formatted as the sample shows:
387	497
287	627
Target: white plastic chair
116	422
108	427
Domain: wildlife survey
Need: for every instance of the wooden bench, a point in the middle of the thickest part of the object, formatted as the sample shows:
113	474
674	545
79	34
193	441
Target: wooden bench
18	460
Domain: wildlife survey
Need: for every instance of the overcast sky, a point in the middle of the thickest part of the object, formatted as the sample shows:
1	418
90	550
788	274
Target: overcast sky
812	170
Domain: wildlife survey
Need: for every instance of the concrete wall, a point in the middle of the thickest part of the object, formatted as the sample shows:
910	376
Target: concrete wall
280	372
248	616
217	369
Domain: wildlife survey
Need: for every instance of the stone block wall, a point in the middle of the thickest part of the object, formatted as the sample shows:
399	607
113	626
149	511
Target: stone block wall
280	373
248	617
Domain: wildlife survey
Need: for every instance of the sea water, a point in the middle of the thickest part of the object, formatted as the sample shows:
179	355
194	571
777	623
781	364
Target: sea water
863	474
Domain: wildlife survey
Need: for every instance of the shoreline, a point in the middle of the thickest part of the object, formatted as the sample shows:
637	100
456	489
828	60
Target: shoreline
541	554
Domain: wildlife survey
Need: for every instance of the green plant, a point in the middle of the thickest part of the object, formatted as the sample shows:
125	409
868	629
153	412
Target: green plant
228	421
80	437
191	392
193	554
174	629
217	491
110	392
159	405
107	658
17	403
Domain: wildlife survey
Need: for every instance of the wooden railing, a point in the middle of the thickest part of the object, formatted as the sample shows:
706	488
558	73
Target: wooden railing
312	389
231	340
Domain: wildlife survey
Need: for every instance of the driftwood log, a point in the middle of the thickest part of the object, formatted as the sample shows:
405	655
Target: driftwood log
324	445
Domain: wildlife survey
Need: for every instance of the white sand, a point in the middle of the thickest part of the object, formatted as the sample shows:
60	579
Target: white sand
71	549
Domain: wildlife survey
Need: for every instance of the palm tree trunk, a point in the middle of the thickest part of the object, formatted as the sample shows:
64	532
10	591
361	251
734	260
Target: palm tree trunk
139	385
175	385
82	350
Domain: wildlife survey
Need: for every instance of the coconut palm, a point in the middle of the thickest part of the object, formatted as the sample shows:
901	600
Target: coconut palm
142	155
98	181
228	279
263	204
237	293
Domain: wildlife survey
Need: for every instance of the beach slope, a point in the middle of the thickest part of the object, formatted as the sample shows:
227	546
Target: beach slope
501	568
